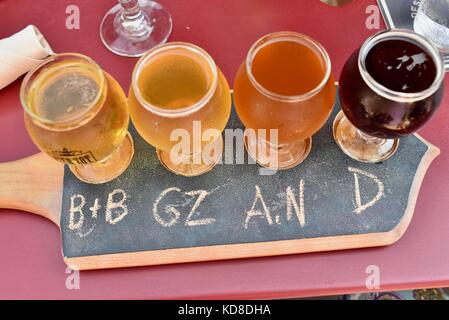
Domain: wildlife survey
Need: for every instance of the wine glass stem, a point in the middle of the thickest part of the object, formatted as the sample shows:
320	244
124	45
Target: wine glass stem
131	9
134	20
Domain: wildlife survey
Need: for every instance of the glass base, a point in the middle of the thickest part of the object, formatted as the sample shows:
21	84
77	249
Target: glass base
360	146
277	157
109	169
135	38
192	165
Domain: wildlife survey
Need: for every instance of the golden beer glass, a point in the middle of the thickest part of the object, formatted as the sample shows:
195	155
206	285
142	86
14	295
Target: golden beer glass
285	85
177	87
78	115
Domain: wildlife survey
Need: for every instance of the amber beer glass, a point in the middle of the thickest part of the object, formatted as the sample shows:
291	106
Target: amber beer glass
389	88
177	87
285	84
78	114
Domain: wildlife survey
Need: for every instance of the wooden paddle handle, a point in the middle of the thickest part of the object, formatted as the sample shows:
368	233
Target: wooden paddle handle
33	184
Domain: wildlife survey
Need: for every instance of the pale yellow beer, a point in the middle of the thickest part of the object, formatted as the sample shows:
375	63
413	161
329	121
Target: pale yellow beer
78	115
173	86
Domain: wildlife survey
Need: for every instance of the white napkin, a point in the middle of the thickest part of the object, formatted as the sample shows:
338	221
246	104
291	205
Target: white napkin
20	53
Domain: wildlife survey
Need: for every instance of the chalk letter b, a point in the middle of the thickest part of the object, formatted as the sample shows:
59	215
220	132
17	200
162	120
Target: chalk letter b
111	205
76	209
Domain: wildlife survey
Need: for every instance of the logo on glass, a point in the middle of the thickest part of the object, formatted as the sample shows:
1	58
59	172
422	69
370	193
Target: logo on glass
74	157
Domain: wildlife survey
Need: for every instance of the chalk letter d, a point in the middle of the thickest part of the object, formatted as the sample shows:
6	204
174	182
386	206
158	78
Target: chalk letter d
358	199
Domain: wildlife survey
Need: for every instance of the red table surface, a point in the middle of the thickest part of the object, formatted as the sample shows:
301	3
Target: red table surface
31	265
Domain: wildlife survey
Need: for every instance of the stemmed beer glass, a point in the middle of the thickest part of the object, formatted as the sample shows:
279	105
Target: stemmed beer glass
78	114
283	89
389	88
180	103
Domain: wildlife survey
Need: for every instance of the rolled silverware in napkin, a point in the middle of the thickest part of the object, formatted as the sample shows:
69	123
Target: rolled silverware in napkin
20	53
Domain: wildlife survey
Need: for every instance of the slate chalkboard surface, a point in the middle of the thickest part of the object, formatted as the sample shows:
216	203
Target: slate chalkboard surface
151	216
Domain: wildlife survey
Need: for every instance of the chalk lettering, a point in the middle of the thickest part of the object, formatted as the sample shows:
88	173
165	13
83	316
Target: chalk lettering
176	214
112	205
277	219
358	199
199	222
169	209
76	209
94	209
292	204
257	213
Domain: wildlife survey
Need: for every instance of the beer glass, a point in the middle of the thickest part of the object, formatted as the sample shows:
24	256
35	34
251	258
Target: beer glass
285	84
180	103
78	114
389	88
432	21
133	27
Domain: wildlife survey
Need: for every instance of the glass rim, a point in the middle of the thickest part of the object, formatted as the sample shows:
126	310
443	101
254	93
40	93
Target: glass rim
51	59
180	111
288	36
409	36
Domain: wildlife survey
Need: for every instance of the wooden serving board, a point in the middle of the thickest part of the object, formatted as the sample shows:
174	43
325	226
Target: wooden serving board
149	216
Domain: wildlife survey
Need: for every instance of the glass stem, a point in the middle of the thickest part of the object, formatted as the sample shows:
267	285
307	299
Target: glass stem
131	9
367	138
133	18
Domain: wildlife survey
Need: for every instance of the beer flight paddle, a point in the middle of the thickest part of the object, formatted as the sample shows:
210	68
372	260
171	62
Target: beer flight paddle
120	202
149	216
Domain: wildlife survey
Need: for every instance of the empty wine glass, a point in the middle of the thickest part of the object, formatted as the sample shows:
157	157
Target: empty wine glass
133	27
